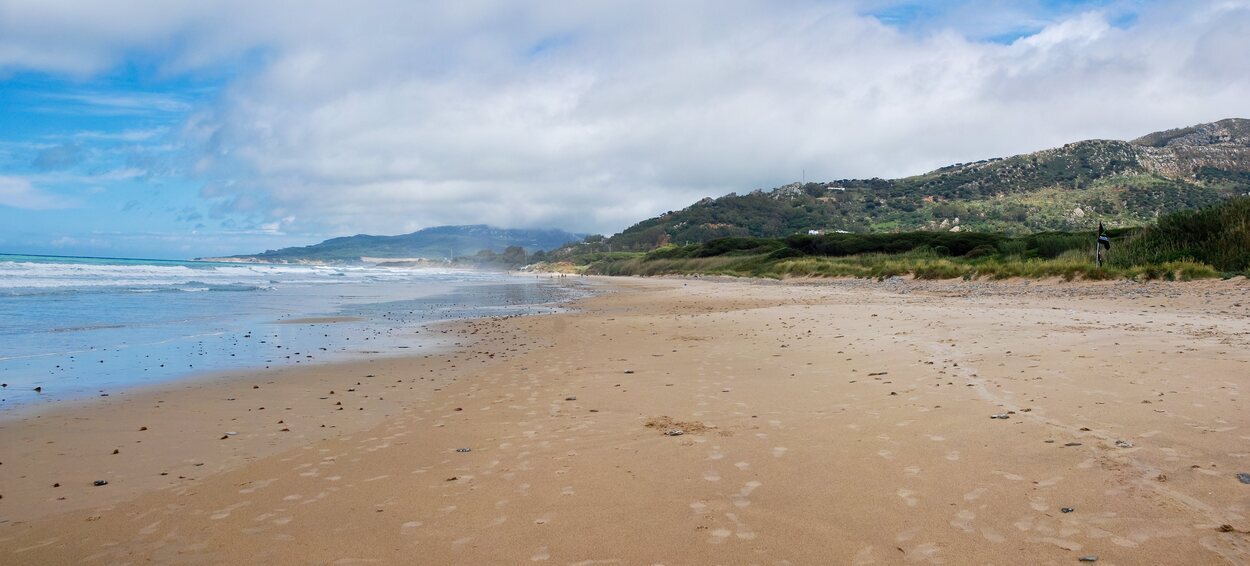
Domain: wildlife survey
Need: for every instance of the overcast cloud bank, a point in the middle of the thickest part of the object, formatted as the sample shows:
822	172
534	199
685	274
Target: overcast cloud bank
385	117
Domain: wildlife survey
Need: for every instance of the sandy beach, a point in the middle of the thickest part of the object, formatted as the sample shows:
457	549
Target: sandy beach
822	422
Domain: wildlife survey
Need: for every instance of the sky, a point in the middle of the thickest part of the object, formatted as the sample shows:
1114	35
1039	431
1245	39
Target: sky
176	129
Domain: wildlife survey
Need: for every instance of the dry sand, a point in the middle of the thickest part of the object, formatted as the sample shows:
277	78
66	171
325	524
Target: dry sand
834	422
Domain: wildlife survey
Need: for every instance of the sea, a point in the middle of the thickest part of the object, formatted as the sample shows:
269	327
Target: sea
76	327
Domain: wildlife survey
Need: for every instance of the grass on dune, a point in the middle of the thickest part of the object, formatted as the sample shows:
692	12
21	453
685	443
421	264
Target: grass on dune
1207	243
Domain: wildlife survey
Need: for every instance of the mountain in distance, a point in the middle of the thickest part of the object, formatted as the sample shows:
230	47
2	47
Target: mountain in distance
437	243
1121	183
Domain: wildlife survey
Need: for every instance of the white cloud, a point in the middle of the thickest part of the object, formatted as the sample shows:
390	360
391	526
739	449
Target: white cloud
383	117
17	192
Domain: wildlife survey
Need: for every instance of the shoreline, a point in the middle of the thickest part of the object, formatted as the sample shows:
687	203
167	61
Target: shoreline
825	421
297	330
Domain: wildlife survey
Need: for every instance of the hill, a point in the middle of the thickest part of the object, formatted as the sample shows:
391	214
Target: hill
1122	183
437	243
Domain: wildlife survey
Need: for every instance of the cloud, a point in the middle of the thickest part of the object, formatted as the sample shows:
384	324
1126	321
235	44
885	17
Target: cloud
118	104
16	192
131	135
59	157
383	116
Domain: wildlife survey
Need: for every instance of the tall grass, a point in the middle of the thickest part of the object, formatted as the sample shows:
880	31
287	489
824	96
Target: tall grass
1207	243
1218	236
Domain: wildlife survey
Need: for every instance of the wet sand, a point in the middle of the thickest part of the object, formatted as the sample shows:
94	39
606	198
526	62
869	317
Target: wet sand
822	422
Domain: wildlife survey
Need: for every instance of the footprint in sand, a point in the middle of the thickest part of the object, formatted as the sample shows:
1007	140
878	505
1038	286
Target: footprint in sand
907	534
886	454
223	513
975	494
744	532
1050	482
953	455
906	495
992	535
409	527
149	529
742	466
541	554
258	485
711	476
779	451
741	499
963	521
927	552
719	536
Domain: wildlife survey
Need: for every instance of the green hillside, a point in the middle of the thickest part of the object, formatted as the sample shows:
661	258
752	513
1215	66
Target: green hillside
437	243
1122	183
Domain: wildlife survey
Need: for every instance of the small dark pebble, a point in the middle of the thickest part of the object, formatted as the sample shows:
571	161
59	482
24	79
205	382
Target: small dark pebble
1090	558
99	483
464	449
1073	444
1067	509
570	398
1244	478
38	389
629	371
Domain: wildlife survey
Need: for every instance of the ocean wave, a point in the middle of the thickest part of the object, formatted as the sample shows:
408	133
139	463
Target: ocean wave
184	287
20	277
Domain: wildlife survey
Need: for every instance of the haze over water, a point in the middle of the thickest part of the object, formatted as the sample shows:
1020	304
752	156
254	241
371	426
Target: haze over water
79	327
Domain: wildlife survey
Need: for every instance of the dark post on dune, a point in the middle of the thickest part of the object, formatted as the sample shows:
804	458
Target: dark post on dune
1103	245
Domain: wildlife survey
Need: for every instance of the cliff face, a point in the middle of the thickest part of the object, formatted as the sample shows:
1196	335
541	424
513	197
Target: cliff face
1184	152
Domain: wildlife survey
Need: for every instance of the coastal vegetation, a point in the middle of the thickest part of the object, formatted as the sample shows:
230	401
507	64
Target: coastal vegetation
1207	243
1123	183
